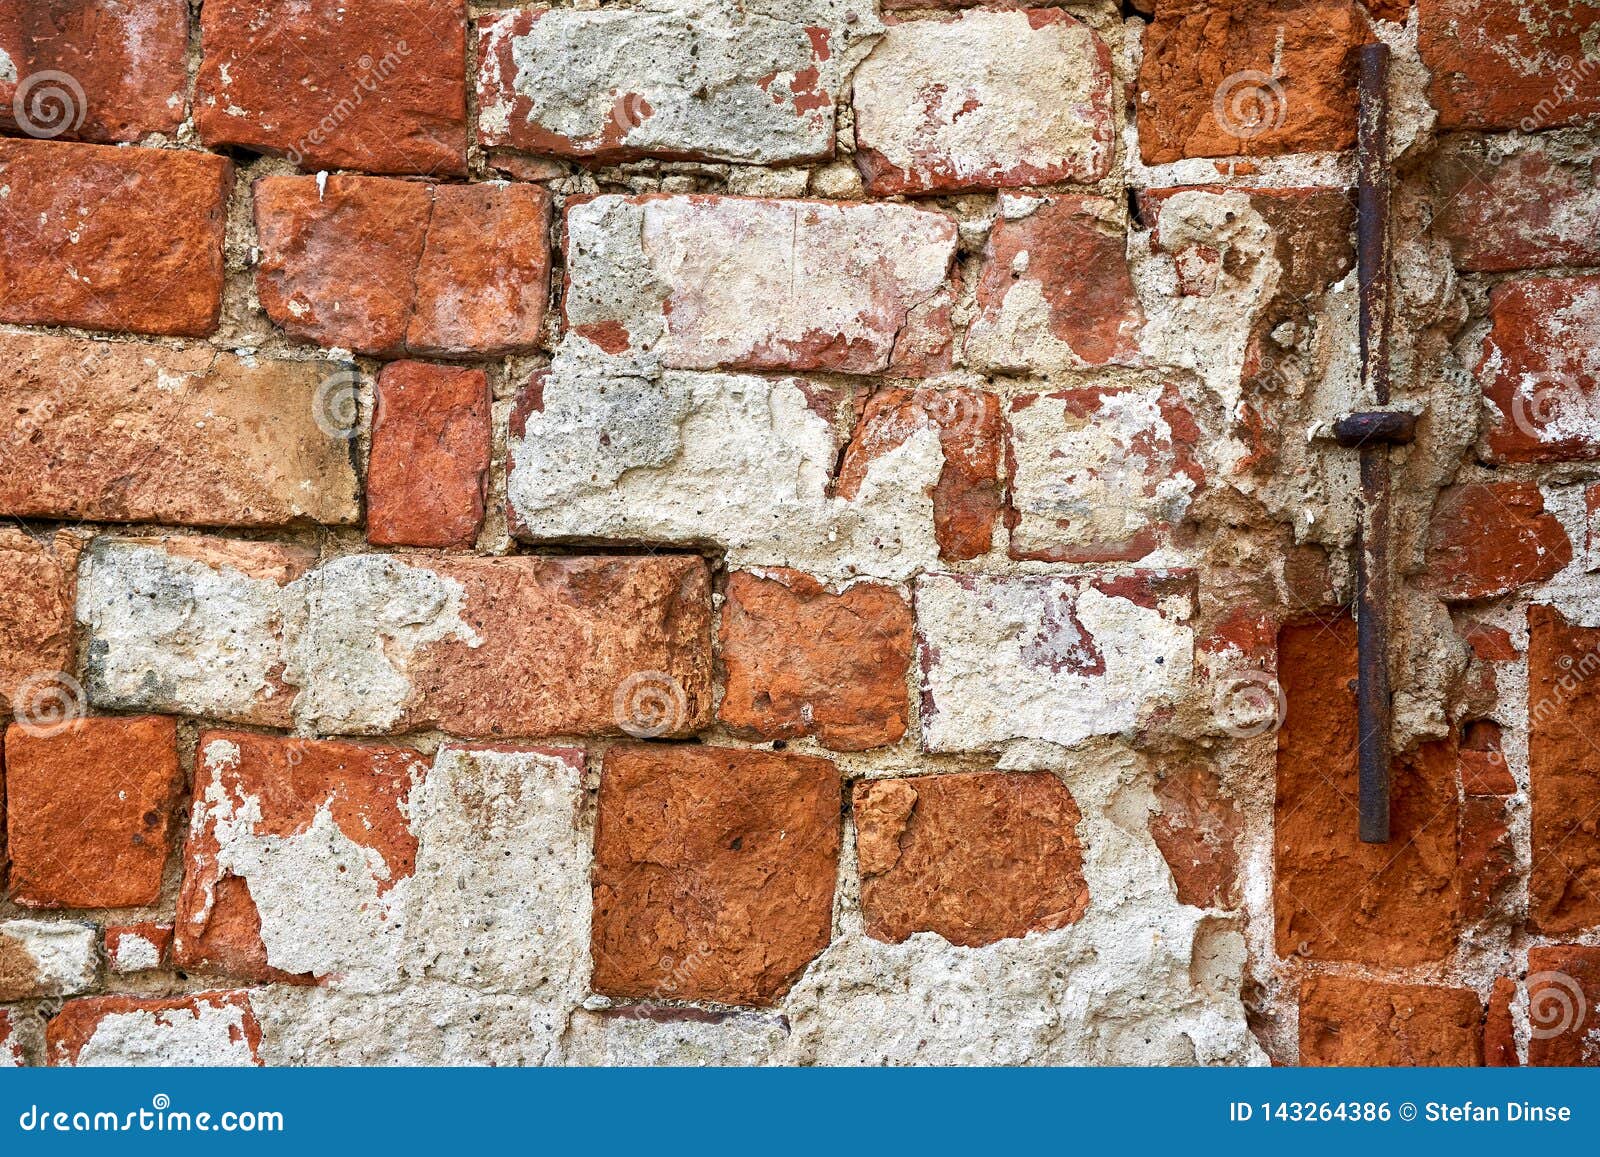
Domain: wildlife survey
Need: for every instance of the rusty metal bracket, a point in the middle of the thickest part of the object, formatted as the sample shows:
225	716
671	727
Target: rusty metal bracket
1374	432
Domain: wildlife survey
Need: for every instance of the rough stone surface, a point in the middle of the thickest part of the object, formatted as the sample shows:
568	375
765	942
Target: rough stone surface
373	644
209	1029
975	858
1510	64
1351	1021
1540	370
1248	78
990	99
111	239
372	85
734	283
1564	1005
802	660
135	948
714	872
1048	658
126	57
89	813
1198	830
124	432
707	80
428	472
1055	292
663	1035
38	586
39	959
1099	474
1487	540
12	1054
382	266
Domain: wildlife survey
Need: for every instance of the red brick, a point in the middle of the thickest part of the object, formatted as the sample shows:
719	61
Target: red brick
129	432
1348	1020
1540	373
372	85
1488	859
1336	898
12	1055
428	472
137	947
966	499
1198	831
125	57
804	661
1055	291
1532	207
992	98
975	858
38	592
1499	1032
1506	64
1483	764
250	787
112	238
384	266
1248	78
714	872
90	816
1488	539
207	1028
1564	1006
1564	889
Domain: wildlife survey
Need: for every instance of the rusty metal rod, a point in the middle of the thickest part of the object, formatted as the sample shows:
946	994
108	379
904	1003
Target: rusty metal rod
1372	571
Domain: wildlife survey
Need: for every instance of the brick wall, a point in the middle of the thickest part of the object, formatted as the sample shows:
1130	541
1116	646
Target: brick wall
787	533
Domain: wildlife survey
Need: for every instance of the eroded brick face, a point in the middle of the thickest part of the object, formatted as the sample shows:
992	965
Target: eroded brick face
1198	831
975	858
1539	371
1563	995
1351	1021
208	1029
714	872
38	578
1526	208
429	467
1488	540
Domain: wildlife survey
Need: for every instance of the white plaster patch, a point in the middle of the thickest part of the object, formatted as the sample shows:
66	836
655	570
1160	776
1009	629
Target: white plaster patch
135	953
64	957
673	1036
210	1034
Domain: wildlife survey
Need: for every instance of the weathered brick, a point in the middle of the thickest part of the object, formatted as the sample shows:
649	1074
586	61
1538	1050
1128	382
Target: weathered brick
975	858
372	644
428	472
125	59
1483	764
1057	659
372	85
132	948
967	498
1564	889
989	99
1499	1033
1532	205
714	872
1488	539
385	267
802	660
297	858
1055	292
1336	898
89	820
1198	831
132	432
40	959
12	1054
1540	370
1348	1020
1564	1005
1100	474
1488	857
112	238
710	282
210	1029
745	462
709	82
1505	64
1248	78
38	587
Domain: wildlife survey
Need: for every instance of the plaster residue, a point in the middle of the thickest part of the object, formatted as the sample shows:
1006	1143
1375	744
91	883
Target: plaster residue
41	958
136	953
209	1034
